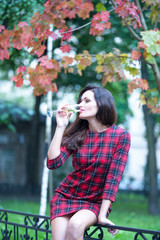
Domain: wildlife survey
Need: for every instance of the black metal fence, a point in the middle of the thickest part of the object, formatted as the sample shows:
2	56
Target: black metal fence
36	227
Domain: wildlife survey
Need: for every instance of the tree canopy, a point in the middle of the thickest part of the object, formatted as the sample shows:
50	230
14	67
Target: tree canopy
139	18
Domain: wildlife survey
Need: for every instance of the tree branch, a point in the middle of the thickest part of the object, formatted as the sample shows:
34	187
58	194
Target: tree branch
156	75
133	33
83	25
141	16
113	2
156	23
154	66
73	30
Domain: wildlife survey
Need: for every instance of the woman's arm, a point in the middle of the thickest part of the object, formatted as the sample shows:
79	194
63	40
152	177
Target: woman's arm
104	209
57	155
62	118
102	218
116	167
54	148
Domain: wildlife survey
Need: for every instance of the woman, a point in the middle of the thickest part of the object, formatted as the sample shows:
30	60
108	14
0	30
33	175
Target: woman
99	150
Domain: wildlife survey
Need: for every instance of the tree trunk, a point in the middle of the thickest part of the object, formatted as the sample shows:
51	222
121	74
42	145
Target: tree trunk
152	162
44	185
152	165
46	176
34	149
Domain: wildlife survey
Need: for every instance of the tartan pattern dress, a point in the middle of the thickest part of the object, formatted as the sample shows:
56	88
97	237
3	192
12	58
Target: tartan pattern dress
98	168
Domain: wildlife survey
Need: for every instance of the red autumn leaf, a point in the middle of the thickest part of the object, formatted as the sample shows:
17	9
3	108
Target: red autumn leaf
130	12
27	35
85	9
2	27
17	39
100	27
18	43
4	43
43	79
71	14
4	53
49	63
135	55
141	45
39	89
43	60
18	79
67	35
108	25
21	69
40	50
104	15
66	61
22	24
52	87
119	2
36	47
85	62
33	75
54	36
65	48
99	23
96	17
138	83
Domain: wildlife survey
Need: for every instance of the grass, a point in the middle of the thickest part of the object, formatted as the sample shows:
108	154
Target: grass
132	211
129	210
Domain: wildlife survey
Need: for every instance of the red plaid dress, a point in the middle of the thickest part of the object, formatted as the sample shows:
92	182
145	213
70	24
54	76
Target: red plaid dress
98	168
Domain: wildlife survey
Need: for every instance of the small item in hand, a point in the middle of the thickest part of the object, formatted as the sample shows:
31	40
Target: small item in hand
69	108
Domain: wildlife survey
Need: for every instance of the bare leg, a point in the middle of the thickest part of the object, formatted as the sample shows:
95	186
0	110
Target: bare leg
79	222
59	227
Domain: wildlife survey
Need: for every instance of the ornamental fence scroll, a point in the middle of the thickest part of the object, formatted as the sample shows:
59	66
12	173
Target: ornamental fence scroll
36	227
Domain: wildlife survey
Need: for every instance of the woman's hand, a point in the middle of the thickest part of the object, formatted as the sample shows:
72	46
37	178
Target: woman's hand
62	117
104	221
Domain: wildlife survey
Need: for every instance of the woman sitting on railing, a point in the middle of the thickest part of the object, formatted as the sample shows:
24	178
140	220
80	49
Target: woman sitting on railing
99	149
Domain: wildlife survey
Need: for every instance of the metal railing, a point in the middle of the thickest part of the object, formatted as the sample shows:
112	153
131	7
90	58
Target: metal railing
138	232
36	227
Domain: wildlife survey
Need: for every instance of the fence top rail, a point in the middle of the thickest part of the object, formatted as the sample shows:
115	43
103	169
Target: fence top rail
24	214
130	229
27	226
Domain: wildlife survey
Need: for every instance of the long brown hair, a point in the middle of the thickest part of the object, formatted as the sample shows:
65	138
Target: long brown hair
76	133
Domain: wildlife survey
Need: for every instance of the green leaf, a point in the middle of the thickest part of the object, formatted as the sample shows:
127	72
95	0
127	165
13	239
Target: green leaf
99	58
100	7
80	67
150	37
152	49
157	48
150	58
132	70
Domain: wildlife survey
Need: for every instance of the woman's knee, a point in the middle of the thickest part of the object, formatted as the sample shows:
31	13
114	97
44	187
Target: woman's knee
59	227
75	228
79	222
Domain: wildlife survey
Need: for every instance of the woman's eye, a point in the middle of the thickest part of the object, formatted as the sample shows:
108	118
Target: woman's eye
87	100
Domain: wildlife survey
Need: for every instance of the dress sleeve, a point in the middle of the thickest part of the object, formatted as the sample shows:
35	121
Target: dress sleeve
116	167
58	161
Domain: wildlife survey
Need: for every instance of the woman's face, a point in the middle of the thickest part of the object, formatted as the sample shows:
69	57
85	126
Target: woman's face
89	106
